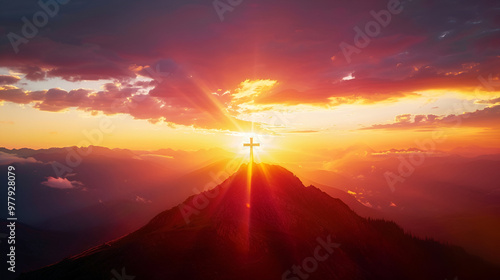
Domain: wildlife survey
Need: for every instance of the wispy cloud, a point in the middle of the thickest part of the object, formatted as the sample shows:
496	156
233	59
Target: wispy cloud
61	183
487	117
6	158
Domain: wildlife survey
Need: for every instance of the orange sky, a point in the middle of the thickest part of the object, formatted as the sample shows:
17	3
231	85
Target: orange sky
183	77
381	125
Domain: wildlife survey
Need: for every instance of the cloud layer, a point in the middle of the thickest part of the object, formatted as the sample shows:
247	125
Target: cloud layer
6	158
190	54
488	117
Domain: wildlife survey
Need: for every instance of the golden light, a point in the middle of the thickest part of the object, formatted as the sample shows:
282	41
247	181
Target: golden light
270	145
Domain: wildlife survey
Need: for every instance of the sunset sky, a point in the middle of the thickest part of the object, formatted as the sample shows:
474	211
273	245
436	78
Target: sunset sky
201	74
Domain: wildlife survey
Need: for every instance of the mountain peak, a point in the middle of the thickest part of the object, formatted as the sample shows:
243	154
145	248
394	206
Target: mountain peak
256	197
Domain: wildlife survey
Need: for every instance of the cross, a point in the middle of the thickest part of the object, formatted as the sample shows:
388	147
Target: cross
251	145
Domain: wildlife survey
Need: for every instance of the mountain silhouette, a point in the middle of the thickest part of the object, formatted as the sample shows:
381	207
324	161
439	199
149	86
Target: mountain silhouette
263	223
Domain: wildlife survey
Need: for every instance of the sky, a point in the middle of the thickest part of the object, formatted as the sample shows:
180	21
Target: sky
297	75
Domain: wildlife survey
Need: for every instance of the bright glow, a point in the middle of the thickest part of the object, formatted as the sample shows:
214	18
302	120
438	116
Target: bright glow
348	77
